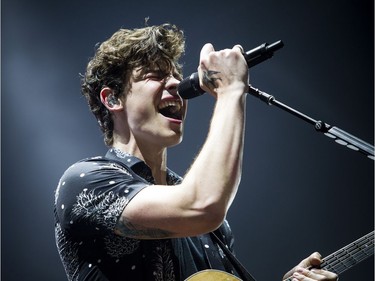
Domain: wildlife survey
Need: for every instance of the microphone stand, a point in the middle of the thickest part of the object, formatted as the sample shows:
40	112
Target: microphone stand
340	136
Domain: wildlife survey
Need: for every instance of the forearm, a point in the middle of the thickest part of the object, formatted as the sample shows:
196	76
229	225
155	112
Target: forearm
213	178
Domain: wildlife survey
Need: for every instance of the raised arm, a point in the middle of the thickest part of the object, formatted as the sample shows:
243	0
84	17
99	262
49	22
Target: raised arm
200	203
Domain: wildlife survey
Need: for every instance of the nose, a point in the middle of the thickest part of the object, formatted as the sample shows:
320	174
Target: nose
171	84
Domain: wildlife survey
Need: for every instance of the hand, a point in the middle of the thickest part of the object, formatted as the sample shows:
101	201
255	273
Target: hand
304	272
223	71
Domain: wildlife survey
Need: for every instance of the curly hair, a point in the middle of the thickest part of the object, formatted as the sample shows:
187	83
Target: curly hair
158	47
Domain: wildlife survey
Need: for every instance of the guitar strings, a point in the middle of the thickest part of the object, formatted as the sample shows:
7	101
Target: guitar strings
350	255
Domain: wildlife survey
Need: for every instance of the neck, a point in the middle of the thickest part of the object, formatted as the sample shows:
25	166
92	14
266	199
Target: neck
158	167
155	158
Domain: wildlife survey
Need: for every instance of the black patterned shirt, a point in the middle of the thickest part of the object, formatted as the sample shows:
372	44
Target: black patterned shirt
89	199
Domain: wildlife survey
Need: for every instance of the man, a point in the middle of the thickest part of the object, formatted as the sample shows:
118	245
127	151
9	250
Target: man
126	216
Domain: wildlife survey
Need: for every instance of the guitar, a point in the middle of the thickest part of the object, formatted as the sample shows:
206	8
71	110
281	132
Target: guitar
212	275
337	262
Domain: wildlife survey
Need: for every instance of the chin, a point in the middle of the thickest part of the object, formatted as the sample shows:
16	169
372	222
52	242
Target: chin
176	140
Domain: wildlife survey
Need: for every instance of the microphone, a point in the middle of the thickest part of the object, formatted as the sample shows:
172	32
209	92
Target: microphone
189	87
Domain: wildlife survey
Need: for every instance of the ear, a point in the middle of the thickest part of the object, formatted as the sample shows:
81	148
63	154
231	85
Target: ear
109	100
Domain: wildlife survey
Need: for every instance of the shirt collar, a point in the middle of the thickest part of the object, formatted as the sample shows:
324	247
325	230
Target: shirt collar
139	166
128	159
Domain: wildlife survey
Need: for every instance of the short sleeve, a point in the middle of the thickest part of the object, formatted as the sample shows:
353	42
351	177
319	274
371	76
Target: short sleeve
92	194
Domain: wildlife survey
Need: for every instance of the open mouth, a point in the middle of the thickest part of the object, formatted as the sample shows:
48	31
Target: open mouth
171	109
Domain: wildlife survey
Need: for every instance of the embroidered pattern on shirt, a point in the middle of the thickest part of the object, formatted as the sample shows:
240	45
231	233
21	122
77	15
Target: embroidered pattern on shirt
68	252
103	209
164	269
118	246
120	154
173	178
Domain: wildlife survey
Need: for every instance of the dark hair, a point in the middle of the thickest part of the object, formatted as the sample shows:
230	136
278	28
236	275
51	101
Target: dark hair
114	60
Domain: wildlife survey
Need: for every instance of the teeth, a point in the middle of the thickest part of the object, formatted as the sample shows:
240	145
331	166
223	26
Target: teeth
176	104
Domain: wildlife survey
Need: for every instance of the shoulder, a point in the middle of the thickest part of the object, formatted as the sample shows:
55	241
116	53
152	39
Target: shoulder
93	169
95	174
89	165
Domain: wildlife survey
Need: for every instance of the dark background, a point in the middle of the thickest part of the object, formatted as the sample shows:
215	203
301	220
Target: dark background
300	191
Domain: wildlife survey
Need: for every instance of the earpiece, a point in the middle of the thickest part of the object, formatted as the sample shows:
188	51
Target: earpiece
112	100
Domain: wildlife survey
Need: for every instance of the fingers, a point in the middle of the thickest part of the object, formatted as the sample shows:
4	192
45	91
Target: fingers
240	48
223	71
206	49
313	260
303	274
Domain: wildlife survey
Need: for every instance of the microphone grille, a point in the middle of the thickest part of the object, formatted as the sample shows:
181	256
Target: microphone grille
189	87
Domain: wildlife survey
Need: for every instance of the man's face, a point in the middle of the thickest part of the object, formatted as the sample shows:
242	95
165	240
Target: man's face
155	112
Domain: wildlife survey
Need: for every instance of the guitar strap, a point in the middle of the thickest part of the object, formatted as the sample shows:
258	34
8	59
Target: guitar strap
212	256
241	270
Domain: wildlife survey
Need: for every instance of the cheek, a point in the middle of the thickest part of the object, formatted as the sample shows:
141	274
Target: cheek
139	114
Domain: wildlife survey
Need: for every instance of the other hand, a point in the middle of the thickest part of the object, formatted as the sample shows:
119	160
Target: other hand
307	270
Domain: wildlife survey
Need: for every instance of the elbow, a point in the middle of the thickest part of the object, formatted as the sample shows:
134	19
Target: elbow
212	217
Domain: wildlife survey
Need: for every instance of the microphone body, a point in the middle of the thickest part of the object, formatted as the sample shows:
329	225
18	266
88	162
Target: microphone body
189	87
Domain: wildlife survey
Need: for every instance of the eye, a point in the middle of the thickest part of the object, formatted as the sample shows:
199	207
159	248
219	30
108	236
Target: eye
154	76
